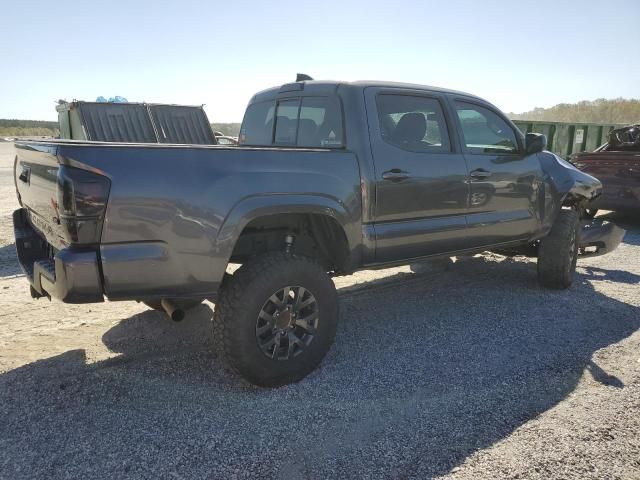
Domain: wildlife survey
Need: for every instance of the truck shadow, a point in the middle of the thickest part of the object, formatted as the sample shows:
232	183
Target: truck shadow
9	265
627	220
438	365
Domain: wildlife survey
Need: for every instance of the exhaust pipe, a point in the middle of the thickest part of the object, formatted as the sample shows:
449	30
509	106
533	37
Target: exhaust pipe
175	313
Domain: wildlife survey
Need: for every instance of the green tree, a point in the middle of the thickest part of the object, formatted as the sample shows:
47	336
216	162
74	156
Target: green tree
601	110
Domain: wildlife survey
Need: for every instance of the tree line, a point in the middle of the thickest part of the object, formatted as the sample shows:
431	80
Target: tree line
617	110
17	128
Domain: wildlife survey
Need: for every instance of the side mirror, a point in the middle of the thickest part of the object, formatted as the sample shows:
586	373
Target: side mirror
535	142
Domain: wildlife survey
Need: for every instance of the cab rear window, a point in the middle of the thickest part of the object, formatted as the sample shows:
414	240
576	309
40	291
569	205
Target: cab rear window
311	122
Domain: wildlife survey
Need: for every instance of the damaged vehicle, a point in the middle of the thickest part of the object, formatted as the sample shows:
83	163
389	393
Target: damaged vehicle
617	165
328	178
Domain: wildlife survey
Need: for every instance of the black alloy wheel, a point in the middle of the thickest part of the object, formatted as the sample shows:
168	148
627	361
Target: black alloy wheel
287	323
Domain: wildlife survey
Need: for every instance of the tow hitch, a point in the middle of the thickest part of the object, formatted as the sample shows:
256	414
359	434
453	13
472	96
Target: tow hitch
599	237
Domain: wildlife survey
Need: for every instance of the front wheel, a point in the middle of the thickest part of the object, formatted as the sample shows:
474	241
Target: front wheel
558	251
276	319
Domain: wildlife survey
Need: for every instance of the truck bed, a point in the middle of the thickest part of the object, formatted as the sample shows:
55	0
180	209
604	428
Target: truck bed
172	211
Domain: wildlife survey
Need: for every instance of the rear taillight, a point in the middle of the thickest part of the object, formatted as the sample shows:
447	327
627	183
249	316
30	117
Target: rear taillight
82	201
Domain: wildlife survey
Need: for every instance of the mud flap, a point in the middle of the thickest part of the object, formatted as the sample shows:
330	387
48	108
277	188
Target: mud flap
599	237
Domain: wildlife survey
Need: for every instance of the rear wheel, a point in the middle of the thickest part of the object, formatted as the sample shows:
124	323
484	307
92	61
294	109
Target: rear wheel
276	319
558	251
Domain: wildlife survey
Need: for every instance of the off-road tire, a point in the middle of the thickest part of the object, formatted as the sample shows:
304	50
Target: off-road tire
558	251
242	297
185	305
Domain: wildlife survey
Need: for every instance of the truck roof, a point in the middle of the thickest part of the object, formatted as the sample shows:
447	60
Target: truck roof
326	87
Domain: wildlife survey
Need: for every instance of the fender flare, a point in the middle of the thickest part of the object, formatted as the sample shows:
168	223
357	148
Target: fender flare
257	206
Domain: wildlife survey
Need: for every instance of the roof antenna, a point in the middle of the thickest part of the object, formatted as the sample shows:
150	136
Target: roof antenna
301	77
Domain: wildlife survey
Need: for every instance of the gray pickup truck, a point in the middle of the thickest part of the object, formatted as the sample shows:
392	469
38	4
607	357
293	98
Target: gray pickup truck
328	178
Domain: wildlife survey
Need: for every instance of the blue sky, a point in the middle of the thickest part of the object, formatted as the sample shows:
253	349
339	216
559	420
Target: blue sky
519	55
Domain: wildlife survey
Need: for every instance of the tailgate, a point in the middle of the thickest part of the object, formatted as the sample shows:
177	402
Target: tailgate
65	204
36	177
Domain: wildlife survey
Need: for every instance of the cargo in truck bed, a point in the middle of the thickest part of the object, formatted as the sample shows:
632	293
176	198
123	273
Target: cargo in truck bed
134	123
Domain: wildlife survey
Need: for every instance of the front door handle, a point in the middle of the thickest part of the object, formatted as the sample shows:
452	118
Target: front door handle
395	175
480	173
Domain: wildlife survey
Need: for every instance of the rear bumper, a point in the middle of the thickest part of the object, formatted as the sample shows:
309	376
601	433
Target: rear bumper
599	237
72	276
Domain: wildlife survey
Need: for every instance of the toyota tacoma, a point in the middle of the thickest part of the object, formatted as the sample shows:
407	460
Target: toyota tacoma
328	178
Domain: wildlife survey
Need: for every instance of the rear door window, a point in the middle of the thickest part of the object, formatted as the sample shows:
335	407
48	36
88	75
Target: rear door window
310	122
412	123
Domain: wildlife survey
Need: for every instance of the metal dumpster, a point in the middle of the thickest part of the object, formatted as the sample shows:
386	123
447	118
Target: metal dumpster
134	122
565	139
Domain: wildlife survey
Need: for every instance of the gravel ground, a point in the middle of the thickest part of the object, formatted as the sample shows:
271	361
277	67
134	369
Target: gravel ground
472	371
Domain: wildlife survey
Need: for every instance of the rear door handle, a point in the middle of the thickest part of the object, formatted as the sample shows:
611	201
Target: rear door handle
480	173
395	175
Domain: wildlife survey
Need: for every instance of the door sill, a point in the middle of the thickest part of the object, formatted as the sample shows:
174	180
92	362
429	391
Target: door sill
467	251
